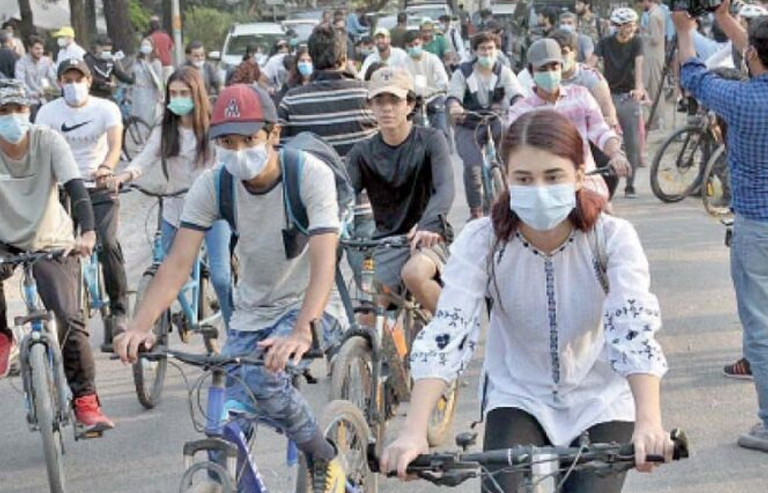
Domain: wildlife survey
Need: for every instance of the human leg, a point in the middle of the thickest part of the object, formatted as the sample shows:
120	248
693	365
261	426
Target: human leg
217	246
628	113
167	235
420	274
588	482
472	158
106	210
504	428
6	336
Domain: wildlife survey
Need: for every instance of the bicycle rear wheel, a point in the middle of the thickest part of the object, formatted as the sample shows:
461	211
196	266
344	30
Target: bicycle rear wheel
149	376
44	400
135	135
715	193
677	165
343	424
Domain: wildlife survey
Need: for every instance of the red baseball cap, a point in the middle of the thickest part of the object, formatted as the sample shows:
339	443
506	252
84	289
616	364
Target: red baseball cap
242	109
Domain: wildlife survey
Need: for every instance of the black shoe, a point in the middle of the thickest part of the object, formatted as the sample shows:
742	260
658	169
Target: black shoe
629	193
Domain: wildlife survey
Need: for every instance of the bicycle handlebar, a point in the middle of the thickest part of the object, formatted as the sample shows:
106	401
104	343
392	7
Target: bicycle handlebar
31	257
399	241
605	171
156	195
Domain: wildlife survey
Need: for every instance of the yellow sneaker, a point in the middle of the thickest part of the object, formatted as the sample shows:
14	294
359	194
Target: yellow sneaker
328	476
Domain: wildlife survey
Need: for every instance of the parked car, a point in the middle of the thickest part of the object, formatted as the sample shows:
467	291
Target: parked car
302	27
262	34
426	9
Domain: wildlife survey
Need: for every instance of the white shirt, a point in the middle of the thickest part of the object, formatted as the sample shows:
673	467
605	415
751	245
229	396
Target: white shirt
183	169
73	50
84	129
428	72
557	346
275	71
525	79
398	58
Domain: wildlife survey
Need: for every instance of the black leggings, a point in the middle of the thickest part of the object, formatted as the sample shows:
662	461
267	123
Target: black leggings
507	427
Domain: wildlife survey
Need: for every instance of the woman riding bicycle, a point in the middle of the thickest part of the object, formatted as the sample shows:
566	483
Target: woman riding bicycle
570	347
182	146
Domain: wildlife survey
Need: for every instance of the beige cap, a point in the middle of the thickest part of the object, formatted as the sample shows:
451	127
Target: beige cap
390	81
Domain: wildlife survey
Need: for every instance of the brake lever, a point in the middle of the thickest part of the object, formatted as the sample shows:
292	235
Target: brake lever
449	479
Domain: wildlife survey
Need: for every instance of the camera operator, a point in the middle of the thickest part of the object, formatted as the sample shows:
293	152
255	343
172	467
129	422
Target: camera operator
743	106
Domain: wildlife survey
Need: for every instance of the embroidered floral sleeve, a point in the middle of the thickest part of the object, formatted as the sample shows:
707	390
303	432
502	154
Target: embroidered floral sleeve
632	315
445	346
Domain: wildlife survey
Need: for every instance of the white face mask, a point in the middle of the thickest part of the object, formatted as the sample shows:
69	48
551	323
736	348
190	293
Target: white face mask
542	207
62	42
75	93
245	164
146	49
198	63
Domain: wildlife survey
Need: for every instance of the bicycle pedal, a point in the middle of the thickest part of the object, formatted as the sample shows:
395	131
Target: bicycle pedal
83	434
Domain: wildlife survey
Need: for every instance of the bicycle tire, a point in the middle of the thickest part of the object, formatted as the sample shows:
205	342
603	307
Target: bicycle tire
149	377
441	419
223	485
692	168
356	352
44	399
358	473
205	306
135	135
712	183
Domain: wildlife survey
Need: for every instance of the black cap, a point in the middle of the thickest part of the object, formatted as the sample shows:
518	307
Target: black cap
73	64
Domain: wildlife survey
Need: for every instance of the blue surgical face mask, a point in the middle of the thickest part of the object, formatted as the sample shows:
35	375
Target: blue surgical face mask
305	68
415	51
549	80
181	105
244	164
567	27
542	207
14	126
487	61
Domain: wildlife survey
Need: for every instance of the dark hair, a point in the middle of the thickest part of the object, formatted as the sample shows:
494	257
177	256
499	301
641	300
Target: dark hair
338	14
250	50
551	14
484	37
588	3
758	37
171	141
552	132
193	45
412	36
33	40
101	40
444	18
402	17
154	25
327	48
294	77
566	39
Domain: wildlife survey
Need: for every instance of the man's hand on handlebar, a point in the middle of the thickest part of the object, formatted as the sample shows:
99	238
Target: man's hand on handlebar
620	164
401	452
83	245
456	111
128	343
280	349
425	239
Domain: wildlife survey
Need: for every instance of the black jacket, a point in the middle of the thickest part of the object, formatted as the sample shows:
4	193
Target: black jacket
104	73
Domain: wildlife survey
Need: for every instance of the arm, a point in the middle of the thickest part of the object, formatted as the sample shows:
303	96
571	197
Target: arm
512	88
440	75
122	75
439	205
147	158
731	26
115	144
602	94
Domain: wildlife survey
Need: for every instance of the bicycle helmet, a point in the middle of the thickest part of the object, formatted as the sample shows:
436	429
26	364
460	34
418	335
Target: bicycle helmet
623	15
749	11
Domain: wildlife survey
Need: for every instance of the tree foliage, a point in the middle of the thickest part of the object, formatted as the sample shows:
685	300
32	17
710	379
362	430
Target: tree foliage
209	26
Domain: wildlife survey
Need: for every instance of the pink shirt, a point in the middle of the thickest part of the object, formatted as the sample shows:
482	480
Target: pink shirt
578	105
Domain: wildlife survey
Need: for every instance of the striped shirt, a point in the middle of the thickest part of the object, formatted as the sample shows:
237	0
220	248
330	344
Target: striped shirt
334	106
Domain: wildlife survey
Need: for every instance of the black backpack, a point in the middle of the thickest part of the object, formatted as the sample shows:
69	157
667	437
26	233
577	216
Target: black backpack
292	165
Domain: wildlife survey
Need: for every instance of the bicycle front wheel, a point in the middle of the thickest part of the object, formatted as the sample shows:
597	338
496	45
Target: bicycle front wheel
149	376
135	135
715	191
44	398
677	165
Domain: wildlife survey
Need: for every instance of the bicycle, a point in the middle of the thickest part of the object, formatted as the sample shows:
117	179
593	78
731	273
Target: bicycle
199	313
135	130
678	166
229	442
371	367
716	186
46	393
492	172
537	465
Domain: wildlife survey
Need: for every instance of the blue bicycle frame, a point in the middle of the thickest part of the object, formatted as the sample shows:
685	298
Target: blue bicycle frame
89	271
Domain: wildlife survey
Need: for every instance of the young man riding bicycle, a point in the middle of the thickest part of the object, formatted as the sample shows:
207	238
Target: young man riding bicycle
94	131
408	175
33	161
285	280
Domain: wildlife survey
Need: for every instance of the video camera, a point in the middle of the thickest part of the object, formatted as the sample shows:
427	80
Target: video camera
697	8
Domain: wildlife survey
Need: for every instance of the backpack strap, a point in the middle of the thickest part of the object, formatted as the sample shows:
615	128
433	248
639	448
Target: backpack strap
292	167
599	249
225	197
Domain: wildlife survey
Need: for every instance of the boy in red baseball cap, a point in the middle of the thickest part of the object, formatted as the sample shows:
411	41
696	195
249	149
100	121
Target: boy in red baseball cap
285	280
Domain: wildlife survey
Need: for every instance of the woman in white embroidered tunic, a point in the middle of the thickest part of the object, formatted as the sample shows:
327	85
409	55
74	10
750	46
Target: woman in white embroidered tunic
570	347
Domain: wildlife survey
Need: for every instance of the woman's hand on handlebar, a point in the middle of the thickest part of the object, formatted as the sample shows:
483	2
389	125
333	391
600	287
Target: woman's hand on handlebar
651	440
402	451
123	178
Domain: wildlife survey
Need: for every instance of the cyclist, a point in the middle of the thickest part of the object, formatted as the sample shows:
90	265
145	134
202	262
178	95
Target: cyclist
559	362
276	298
181	145
93	129
429	78
545	62
33	161
408	175
195	53
482	85
385	53
105	68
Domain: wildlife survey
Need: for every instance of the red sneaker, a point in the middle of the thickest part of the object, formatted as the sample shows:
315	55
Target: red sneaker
6	346
88	414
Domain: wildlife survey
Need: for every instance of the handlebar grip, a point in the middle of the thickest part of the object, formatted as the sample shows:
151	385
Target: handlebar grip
679	441
315	350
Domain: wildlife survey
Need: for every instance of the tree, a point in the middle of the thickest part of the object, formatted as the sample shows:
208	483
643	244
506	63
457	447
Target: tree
77	17
90	18
27	26
119	25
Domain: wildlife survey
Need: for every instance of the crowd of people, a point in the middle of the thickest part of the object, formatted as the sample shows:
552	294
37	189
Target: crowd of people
575	362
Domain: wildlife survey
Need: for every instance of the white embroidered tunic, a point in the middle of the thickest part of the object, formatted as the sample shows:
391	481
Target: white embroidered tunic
557	346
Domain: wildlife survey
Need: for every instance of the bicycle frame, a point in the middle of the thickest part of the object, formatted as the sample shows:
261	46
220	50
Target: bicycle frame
89	271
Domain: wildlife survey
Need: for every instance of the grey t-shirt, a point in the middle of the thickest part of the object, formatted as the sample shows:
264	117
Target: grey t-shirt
270	285
31	215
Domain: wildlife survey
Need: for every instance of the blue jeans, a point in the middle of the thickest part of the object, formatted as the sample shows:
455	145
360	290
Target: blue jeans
749	270
277	400
217	247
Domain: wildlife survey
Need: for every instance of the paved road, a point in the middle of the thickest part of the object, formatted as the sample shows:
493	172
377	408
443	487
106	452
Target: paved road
690	275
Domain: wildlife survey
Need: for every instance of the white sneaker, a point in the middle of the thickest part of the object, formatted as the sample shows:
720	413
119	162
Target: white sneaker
756	439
